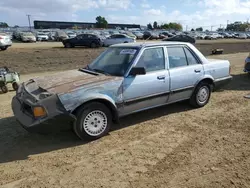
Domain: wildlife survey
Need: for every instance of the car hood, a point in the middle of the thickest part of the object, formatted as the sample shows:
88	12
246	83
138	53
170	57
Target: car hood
67	81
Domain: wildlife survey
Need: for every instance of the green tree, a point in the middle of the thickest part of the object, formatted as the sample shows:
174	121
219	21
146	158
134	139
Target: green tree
101	22
155	25
172	25
199	29
16	26
149	26
220	29
192	29
237	26
3	25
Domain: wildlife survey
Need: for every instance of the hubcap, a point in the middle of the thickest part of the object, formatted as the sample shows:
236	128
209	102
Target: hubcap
203	95
95	123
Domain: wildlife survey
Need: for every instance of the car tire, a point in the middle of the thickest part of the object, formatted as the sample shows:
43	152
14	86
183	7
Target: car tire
93	45
93	121
15	86
201	95
4	48
68	45
4	89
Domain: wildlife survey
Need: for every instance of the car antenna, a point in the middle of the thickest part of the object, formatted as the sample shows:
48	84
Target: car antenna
146	40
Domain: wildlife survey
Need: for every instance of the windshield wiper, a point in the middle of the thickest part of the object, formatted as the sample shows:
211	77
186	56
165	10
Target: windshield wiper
100	71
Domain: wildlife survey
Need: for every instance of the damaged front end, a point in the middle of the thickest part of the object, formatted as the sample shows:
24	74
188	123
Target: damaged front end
36	109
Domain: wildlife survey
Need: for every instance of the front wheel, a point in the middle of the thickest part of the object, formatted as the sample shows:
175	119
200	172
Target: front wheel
93	121
4	48
201	95
67	45
15	86
4	89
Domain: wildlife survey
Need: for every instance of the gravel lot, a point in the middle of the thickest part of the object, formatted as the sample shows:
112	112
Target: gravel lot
173	146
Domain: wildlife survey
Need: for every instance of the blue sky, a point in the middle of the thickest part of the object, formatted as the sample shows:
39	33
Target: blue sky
193	13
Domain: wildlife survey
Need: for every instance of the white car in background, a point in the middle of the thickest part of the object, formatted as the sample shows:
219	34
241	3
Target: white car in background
5	41
117	39
42	37
71	34
27	37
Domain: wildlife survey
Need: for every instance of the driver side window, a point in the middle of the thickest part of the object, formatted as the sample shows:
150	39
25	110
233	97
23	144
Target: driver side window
152	59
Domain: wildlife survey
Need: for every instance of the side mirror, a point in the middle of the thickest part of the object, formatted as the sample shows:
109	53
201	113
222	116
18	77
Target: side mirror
137	71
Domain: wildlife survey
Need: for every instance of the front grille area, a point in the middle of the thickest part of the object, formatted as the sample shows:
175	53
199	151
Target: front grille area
27	109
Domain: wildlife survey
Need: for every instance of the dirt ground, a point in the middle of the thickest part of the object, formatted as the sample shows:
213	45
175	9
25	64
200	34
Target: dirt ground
51	56
173	146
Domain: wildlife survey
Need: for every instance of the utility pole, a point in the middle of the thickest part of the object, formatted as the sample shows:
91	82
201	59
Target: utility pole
186	27
29	20
212	28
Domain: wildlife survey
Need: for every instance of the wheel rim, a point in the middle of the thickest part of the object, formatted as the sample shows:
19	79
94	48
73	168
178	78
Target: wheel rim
95	123
202	95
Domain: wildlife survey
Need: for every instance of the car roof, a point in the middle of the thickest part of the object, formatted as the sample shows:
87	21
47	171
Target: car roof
148	44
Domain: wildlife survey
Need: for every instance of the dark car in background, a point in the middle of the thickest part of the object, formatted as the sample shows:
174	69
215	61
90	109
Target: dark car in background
89	40
181	38
150	35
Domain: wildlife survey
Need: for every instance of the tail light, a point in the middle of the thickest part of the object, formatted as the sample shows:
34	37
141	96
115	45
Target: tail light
1	37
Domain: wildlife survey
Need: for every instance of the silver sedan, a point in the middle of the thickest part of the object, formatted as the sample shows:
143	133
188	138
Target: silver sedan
117	39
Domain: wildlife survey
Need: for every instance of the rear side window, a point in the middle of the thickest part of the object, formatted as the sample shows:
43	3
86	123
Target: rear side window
177	57
190	58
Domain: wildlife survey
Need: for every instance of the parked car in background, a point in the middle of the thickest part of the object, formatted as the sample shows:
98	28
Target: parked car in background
60	35
130	34
150	35
89	40
211	36
138	34
124	79
28	37
118	38
41	37
71	34
242	36
105	34
181	38
5	41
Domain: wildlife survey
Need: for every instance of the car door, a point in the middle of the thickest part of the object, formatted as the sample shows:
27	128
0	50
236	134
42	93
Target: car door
120	39
111	40
185	71
149	90
79	40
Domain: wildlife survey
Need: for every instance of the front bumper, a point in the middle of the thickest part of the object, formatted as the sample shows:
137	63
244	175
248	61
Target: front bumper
219	83
57	117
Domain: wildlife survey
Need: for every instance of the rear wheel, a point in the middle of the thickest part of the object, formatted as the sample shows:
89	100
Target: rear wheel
4	89
68	45
201	95
93	121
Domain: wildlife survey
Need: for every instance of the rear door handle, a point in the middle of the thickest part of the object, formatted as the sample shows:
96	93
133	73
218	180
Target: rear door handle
197	71
160	77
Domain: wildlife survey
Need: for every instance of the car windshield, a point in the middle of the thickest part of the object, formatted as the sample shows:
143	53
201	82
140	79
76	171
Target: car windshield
114	61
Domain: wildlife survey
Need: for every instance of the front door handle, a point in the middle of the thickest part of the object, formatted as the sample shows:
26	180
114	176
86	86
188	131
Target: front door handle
160	77
196	71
